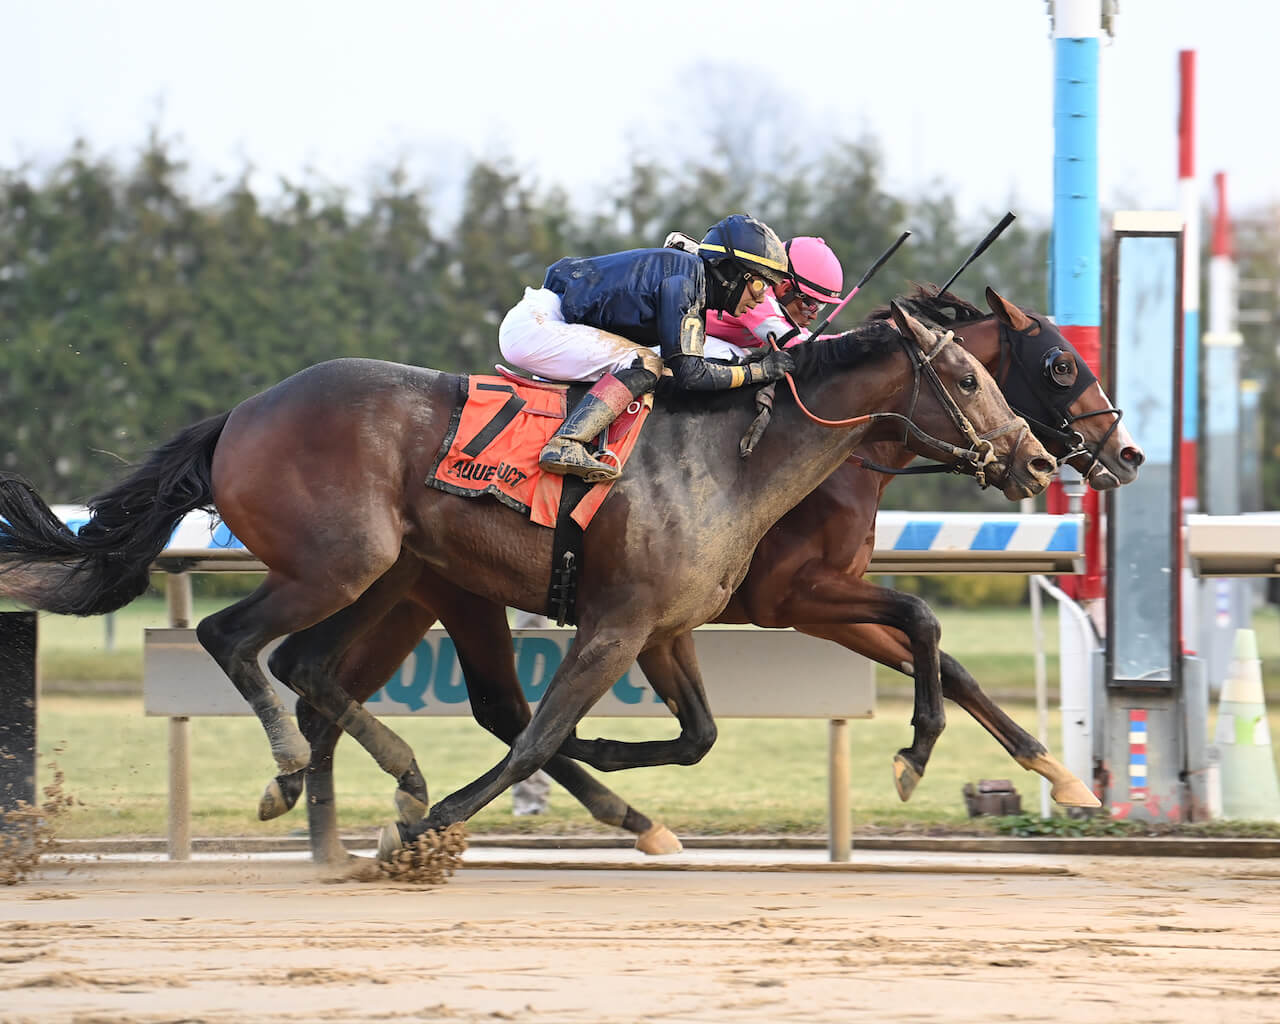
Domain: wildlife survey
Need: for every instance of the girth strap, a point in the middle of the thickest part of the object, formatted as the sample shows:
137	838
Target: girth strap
566	555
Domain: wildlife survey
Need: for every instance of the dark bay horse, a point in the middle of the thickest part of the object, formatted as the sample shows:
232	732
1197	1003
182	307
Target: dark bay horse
806	573
322	478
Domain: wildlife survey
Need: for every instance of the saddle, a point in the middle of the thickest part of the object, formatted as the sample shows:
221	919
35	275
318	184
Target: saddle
496	431
498	427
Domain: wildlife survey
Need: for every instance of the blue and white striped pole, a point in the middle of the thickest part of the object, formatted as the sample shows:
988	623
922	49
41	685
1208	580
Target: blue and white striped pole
1075	276
1076	292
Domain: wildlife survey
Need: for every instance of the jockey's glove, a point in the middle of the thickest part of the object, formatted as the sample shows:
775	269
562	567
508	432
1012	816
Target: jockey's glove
771	367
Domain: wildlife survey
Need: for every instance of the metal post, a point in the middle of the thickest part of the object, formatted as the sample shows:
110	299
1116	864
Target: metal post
178	597
840	778
1078	651
179	788
1223	604
1195	715
1042	684
1254	594
18	698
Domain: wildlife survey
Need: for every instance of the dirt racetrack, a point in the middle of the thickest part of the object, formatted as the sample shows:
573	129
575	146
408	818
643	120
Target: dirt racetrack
1131	940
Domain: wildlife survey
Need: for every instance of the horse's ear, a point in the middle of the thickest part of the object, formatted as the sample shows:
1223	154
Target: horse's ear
1007	312
909	327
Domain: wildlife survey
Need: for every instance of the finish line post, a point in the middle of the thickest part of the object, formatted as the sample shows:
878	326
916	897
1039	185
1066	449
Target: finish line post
1155	757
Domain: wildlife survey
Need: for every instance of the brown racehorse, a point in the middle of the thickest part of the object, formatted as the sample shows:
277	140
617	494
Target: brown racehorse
806	573
322	478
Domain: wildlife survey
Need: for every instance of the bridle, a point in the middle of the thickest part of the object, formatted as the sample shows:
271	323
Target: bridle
976	459
1055	421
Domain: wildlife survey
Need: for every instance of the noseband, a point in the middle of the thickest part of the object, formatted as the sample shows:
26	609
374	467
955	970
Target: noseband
981	453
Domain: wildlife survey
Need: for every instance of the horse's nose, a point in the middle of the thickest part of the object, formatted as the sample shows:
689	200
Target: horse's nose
1133	456
1042	467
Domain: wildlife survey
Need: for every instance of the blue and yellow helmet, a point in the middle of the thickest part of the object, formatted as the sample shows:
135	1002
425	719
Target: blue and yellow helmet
749	244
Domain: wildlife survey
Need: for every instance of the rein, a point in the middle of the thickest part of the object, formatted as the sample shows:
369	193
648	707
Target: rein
980	453
1072	440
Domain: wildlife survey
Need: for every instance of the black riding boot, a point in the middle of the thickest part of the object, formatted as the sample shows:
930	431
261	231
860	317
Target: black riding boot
566	452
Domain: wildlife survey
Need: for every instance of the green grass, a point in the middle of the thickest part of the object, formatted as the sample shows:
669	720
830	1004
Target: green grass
762	776
767	776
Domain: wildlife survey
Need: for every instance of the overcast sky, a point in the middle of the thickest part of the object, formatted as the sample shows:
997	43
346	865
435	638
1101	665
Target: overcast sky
955	90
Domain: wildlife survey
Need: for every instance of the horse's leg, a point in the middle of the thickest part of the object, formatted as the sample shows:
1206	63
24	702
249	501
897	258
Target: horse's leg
889	648
235	636
310	662
595	661
672	671
364	662
364	667
367	663
282	792
831	597
1065	788
482	638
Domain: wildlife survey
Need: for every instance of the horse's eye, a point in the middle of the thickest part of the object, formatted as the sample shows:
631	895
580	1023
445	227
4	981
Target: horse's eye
969	383
1060	368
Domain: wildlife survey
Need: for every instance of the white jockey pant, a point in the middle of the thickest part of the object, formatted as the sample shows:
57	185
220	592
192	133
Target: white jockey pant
535	337
718	348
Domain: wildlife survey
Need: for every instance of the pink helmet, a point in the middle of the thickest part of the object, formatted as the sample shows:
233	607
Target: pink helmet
815	269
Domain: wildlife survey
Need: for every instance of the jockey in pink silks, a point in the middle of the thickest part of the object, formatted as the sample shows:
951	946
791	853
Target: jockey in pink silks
815	279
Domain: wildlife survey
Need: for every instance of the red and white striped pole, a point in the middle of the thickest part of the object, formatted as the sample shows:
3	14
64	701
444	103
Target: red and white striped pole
1189	205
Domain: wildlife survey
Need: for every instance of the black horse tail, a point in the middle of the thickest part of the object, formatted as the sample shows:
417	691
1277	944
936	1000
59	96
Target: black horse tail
45	566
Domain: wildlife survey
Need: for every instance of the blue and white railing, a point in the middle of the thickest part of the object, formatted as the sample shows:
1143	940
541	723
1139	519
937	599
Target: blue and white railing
906	542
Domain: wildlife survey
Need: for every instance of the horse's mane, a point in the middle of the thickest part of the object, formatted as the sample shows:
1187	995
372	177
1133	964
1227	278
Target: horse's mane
864	343
940	311
861	344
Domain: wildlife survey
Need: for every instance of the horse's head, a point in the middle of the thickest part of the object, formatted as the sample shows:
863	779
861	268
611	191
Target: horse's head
968	408
1044	378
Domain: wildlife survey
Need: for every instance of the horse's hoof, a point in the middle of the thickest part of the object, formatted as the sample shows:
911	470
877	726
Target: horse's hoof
390	842
1067	789
1073	793
658	839
273	803
905	777
409	809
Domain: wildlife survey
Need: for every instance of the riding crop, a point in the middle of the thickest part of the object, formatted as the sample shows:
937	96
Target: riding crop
764	397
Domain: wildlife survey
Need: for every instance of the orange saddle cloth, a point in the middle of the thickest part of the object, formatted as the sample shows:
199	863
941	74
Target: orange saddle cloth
495	435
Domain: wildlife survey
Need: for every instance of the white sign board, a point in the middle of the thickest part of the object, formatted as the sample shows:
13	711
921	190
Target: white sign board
748	673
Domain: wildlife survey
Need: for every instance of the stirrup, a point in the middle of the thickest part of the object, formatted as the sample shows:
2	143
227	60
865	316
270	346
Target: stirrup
567	457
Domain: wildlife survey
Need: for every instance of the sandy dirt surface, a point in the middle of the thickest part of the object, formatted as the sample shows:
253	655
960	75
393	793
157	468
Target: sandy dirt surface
1121	940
